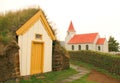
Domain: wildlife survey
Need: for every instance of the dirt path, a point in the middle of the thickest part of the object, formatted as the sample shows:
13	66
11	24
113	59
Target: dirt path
82	71
101	78
94	76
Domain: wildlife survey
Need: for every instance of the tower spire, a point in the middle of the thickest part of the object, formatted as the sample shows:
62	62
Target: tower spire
70	32
71	27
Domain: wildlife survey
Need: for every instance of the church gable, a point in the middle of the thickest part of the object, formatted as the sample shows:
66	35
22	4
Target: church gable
100	41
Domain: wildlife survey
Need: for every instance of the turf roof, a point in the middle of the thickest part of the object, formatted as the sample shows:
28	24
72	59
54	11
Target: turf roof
11	21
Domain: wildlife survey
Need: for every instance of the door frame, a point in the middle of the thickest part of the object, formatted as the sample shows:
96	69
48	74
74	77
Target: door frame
42	60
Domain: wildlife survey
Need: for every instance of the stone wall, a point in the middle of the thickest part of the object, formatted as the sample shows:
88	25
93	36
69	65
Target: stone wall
60	57
9	62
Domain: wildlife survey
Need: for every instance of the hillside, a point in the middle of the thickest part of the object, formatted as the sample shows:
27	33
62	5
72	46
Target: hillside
11	21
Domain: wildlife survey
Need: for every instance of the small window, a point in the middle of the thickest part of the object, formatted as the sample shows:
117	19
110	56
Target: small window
79	47
87	47
99	48
72	47
38	36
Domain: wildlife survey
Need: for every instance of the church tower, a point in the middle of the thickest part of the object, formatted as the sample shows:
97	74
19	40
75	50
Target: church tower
70	32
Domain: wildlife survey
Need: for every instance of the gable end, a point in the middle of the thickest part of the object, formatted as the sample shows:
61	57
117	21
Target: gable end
32	20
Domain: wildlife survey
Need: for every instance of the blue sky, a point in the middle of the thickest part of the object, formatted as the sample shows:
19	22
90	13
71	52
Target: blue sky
88	16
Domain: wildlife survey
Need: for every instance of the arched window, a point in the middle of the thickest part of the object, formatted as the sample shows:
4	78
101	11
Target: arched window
99	48
72	47
79	47
87	47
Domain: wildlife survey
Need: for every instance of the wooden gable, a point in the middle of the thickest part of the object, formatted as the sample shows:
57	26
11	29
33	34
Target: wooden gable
38	16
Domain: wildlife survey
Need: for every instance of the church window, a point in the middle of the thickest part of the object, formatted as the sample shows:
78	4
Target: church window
99	48
87	47
79	47
72	47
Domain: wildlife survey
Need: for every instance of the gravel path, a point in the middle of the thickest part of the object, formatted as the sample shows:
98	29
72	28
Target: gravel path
82	71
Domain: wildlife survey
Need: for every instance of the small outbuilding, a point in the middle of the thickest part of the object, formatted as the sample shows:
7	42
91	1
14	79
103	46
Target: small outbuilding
35	40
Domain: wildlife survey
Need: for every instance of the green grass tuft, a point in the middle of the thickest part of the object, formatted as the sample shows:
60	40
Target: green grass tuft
51	77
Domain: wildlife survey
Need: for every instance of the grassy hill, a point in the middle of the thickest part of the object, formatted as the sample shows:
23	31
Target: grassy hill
11	21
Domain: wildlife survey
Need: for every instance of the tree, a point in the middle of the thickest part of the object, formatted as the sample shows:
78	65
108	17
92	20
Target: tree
113	44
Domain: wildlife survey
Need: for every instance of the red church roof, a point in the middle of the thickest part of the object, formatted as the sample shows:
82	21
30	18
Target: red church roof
101	41
83	38
71	27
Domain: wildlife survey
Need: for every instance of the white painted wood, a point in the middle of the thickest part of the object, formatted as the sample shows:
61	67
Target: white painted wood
25	42
92	46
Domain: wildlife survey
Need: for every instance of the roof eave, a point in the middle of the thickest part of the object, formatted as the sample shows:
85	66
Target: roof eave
82	43
32	20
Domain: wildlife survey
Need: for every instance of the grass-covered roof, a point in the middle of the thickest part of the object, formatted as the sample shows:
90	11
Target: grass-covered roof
11	21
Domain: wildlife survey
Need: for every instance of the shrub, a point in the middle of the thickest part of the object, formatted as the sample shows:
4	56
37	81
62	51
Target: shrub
106	61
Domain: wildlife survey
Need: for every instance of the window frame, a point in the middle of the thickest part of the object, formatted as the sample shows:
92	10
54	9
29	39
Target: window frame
38	37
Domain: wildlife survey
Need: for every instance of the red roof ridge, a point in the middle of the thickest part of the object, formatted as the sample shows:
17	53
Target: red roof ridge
83	38
87	33
71	27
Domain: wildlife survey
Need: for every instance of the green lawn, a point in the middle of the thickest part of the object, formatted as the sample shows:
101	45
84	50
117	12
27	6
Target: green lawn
51	77
54	77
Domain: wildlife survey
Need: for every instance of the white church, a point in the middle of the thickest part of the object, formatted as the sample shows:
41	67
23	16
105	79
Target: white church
87	41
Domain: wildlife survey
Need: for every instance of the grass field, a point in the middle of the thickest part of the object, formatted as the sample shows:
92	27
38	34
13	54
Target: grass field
55	77
51	77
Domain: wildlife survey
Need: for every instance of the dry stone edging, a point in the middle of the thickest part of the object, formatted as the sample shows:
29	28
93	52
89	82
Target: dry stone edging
82	71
